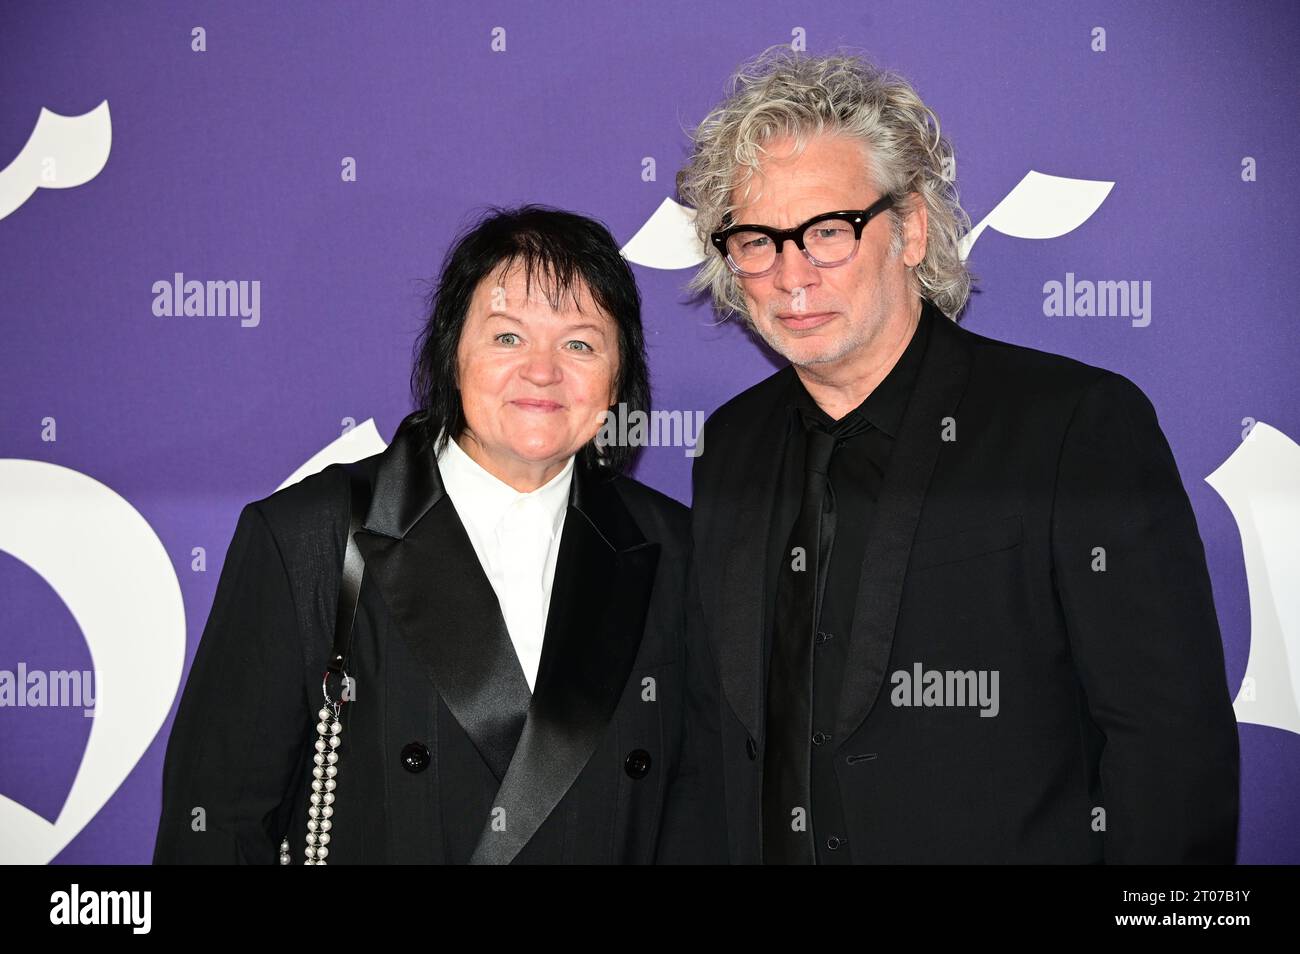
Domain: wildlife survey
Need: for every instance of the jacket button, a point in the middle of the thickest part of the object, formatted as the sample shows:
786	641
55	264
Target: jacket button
637	763
415	757
834	844
751	748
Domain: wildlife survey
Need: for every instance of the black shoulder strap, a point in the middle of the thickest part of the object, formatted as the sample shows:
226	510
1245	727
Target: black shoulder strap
353	569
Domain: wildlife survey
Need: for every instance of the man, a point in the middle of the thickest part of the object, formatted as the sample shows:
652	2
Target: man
951	589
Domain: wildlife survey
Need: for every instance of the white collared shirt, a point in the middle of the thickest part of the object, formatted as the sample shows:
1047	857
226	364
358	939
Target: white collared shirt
517	539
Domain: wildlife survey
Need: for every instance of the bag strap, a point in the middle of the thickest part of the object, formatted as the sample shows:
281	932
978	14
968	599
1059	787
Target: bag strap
354	567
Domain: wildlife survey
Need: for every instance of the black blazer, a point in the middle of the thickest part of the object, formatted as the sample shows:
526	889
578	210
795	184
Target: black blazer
1115	740
443	738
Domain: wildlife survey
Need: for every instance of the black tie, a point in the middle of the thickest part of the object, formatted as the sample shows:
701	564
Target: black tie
787	785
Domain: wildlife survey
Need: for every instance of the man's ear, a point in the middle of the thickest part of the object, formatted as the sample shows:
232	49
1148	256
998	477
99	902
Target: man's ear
915	230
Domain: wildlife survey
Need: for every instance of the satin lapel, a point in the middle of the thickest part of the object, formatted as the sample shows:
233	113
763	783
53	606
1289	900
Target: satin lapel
599	600
420	557
738	567
940	383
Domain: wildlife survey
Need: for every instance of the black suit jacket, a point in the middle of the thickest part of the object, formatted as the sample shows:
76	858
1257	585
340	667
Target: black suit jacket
1015	472
445	756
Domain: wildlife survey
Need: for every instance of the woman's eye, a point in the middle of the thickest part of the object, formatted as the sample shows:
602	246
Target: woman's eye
582	345
507	334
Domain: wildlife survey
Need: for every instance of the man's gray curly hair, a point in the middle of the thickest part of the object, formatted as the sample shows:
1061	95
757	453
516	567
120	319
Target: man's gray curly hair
785	93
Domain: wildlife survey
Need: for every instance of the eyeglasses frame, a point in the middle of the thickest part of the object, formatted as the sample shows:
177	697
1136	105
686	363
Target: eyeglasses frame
858	218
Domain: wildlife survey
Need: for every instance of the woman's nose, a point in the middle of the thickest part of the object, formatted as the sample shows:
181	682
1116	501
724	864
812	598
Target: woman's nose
541	368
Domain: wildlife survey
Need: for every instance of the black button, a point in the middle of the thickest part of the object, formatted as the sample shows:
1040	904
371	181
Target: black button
820	738
751	748
637	763
415	757
834	843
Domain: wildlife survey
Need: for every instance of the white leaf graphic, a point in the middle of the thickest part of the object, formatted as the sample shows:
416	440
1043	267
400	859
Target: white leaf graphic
667	240
78	147
1260	483
1041	207
361	441
112	572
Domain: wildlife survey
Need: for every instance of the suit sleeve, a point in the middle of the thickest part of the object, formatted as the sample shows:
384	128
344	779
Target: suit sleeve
694	826
243	726
1144	635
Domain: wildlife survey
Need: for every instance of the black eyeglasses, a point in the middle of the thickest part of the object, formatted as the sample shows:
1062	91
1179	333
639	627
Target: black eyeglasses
826	240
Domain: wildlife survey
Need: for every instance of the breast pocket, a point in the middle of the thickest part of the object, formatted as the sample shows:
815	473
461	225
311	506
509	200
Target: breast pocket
992	537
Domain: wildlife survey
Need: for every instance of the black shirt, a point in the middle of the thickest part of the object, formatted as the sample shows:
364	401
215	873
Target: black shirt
856	473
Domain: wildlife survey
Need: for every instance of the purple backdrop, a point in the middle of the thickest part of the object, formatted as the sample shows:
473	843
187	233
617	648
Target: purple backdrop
226	165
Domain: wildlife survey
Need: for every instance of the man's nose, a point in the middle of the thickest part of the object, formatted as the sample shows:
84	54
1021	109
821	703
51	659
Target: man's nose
793	270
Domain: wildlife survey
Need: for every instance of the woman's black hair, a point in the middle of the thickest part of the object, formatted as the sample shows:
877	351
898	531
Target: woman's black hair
558	250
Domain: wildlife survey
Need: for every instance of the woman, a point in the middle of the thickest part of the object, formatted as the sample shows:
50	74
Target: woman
517	660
